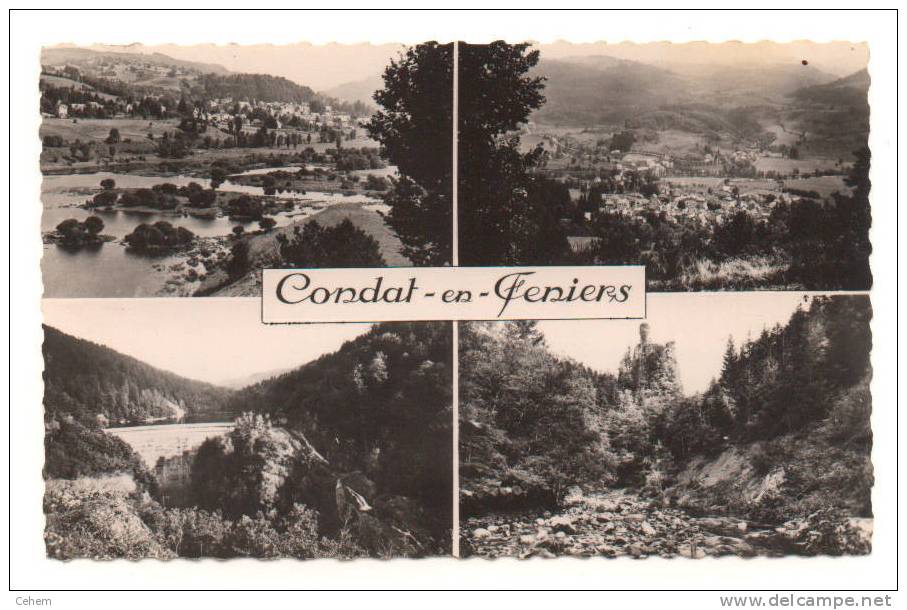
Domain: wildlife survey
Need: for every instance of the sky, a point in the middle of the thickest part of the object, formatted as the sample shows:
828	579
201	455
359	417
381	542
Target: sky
317	66
223	340
836	58
327	65
698	323
213	340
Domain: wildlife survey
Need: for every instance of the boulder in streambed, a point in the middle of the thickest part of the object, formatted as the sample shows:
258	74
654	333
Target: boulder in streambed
562	523
722	525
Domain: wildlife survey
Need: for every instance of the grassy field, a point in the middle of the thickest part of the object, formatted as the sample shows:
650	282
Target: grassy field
88	130
757	272
787	166
97	130
746	185
824	185
781	136
140	151
678	142
265	246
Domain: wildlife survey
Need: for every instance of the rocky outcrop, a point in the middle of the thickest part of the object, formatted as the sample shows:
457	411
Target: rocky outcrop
710	485
649	369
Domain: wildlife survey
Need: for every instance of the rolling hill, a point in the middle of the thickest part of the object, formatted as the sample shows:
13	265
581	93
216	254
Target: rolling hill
851	90
255	86
357	91
81	57
834	117
749	102
600	89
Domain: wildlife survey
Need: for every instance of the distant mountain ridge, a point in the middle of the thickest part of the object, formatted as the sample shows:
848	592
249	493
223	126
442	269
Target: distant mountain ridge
733	104
603	89
59	55
130	74
357	91
238	383
849	90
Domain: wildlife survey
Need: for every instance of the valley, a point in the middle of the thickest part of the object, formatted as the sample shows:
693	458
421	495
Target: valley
771	458
282	467
715	175
182	166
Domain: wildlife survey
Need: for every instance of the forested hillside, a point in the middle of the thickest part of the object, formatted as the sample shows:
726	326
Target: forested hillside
386	392
701	99
268	88
97	385
255	86
848	91
834	116
372	421
783	431
604	90
789	418
530	424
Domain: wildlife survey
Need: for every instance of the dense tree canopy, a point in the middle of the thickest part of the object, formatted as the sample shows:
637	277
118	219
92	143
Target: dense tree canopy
506	216
415	126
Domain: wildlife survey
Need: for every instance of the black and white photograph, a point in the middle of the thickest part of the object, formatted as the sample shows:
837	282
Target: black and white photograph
723	425
317	300
724	166
217	436
182	171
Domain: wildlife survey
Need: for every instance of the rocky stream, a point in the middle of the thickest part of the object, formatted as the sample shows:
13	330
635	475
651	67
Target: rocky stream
619	523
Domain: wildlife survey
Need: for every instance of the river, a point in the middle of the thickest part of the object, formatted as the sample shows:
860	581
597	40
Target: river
111	271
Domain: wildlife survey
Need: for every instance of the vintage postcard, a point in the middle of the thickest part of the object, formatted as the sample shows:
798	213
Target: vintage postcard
522	297
707	166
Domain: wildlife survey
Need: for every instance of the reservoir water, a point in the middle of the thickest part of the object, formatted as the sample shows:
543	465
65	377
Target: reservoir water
109	270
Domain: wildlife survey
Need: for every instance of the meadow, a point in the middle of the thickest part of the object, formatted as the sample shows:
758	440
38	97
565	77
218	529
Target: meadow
824	185
97	130
785	166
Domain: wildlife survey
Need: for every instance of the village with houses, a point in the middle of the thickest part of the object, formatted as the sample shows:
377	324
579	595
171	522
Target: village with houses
185	170
704	184
713	174
223	113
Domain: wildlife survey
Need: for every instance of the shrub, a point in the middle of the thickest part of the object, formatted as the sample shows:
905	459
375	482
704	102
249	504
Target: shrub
245	208
202	199
343	245
104	199
829	532
160	236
